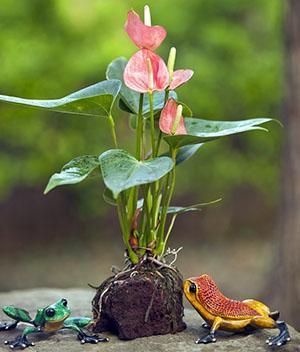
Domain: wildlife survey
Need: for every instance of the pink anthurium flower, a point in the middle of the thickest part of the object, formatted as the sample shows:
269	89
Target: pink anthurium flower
146	72
180	77
143	35
171	120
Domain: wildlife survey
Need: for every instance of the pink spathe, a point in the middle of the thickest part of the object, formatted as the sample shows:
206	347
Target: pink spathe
180	77
168	116
136	73
143	36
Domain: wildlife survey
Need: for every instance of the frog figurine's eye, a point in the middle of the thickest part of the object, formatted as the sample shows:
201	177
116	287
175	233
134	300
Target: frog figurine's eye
50	312
193	288
64	302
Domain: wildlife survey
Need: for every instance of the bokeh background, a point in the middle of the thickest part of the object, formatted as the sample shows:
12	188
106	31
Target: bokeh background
71	236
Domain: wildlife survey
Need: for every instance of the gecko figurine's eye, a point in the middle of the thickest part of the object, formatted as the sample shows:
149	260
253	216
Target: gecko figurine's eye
193	288
50	312
64	302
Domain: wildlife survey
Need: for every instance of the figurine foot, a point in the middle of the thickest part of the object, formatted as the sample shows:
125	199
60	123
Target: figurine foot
6	326
19	342
282	338
210	338
205	326
84	338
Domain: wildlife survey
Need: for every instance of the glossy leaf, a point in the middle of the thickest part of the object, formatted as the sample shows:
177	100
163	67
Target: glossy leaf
195	207
201	131
95	100
129	101
73	172
184	153
121	171
109	198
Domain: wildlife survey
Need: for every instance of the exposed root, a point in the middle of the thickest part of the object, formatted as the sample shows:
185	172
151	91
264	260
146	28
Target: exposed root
151	303
173	252
160	264
150	293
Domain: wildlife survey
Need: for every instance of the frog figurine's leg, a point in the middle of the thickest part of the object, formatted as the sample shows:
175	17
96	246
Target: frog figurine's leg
17	314
211	336
268	323
205	326
77	324
21	341
8	326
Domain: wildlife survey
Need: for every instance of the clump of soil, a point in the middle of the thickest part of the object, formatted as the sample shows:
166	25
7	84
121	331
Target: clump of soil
142	301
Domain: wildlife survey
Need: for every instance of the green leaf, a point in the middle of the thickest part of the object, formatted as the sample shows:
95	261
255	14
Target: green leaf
195	207
121	171
201	131
108	197
73	172
17	314
129	101
184	153
95	100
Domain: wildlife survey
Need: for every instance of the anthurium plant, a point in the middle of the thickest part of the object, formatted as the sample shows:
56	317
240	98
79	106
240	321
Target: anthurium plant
142	184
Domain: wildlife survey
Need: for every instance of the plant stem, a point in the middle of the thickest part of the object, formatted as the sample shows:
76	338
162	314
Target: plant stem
134	191
126	230
168	233
169	190
139	130
152	123
113	130
160	133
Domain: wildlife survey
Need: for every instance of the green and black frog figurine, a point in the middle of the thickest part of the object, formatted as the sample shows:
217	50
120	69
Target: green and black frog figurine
48	319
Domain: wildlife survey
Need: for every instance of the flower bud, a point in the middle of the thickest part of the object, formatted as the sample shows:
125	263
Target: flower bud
147	15
177	119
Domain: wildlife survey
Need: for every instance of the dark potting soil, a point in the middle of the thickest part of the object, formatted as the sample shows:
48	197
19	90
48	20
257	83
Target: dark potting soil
142	301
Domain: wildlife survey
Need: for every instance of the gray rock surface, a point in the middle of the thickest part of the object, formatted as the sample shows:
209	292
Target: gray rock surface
79	301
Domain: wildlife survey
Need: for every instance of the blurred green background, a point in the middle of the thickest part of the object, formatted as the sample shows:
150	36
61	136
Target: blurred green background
70	237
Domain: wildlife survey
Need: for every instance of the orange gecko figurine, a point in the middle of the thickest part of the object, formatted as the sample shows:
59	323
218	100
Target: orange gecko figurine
220	312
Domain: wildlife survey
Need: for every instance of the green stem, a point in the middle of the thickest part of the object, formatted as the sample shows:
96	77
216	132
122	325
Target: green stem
168	233
126	230
113	130
169	190
152	123
134	192
139	130
160	132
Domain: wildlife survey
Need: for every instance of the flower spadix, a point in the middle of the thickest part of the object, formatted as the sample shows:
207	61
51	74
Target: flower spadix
143	34
146	72
171	120
178	77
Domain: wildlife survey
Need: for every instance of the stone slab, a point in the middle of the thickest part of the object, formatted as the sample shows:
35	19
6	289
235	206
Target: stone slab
79	301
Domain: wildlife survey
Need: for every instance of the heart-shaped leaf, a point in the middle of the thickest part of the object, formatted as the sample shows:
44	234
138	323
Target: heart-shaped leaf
201	131
73	172
129	101
195	207
95	100
121	171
